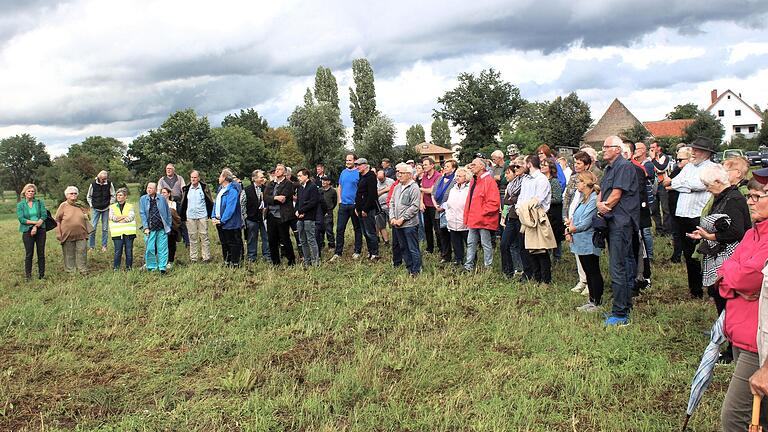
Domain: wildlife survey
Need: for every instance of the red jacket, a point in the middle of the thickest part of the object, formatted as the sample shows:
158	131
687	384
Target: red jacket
482	209
743	273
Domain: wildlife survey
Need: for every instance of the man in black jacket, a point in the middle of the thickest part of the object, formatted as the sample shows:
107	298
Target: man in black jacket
278	198
366	201
194	211
330	200
308	213
254	205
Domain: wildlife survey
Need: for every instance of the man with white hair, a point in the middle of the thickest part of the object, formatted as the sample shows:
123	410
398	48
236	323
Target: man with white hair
175	183
481	214
156	219
404	209
101	194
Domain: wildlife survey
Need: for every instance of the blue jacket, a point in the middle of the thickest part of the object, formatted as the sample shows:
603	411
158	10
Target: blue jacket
582	220
162	207
230	215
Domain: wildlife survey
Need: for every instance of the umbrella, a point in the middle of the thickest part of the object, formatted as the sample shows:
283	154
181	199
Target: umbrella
755	424
704	373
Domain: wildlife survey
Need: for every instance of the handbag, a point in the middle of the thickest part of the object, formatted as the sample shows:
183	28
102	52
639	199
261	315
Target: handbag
50	223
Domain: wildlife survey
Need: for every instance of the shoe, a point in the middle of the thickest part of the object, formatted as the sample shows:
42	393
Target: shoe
375	258
588	307
586	291
103	248
355	256
163	272
616	321
169	265
579	287
725	358
333	258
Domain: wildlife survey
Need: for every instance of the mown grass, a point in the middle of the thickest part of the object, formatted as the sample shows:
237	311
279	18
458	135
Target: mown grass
347	346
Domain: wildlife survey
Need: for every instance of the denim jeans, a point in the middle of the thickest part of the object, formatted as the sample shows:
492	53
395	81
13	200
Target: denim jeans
408	241
347	212
124	242
327	232
479	237
256	230
95	216
459	245
648	241
621	263
308	242
510	248
368	224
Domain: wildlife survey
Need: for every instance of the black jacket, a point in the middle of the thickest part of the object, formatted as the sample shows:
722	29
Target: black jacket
330	199
252	203
308	202
286	189
367	195
183	206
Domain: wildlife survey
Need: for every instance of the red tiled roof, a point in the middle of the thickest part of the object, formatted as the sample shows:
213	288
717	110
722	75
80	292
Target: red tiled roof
667	128
426	148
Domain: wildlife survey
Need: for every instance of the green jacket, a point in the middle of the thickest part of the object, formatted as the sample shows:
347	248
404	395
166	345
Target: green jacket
24	213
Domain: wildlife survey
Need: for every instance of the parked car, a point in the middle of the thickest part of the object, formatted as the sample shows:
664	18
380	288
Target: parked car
754	157
764	157
733	153
717	157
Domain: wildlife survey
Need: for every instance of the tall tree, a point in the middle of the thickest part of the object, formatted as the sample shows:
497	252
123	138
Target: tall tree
286	151
636	133
243	151
102	149
567	119
318	130
441	133
705	125
362	98
326	88
249	119
684	111
479	106
762	136
415	135
378	140
21	158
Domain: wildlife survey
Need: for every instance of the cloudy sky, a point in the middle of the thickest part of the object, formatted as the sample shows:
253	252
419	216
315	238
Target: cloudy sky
78	68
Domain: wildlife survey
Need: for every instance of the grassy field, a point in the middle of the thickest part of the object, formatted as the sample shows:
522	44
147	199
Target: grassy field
347	346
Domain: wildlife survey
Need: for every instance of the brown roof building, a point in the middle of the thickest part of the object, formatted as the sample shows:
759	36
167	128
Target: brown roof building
615	121
439	154
668	128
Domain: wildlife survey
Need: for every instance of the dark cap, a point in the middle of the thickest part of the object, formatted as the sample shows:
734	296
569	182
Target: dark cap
361	161
761	175
324	178
704	143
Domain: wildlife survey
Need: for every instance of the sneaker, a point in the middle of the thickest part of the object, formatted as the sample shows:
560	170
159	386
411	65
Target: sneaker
103	248
333	258
588	307
375	258
586	291
355	256
169	265
579	287
616	321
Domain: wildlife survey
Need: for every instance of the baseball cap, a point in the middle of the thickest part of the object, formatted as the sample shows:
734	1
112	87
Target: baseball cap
361	161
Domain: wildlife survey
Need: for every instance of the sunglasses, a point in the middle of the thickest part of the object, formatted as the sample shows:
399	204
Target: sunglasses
680	160
515	166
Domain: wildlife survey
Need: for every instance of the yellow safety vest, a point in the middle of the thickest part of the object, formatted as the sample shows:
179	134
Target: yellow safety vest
117	229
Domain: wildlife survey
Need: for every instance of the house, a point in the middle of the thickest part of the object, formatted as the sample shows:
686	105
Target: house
615	121
439	154
737	116
668	128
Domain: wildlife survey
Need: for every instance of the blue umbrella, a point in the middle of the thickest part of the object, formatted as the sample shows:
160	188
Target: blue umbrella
704	373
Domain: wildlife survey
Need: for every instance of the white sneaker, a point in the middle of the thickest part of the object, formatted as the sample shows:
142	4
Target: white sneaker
579	287
588	307
169	265
355	256
586	291
333	258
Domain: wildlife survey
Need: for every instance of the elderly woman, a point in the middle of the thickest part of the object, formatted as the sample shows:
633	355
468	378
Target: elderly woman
122	229
72	231
454	214
738	168
175	235
579	233
511	261
555	212
741	278
226	216
31	214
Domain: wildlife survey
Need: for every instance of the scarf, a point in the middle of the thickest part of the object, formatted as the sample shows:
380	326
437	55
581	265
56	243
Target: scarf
443	186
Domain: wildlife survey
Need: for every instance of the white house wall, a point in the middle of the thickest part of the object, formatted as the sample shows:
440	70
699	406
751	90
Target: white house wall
729	103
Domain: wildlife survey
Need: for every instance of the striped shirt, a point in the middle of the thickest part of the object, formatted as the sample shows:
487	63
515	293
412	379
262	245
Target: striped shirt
693	194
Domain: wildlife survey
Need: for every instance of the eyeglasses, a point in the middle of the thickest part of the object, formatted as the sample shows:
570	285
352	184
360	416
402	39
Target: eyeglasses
755	197
680	160
515	166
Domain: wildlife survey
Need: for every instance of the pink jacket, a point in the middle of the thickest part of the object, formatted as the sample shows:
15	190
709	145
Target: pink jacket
743	273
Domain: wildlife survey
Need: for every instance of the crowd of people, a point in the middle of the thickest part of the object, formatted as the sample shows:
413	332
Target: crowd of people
530	205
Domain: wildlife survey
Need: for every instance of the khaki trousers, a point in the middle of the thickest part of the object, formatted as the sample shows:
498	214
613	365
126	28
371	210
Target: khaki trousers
75	255
198	228
737	406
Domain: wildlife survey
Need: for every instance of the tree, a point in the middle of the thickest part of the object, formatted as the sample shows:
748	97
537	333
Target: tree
103	150
567	119
286	151
685	111
441	133
705	125
378	140
526	141
326	89
249	119
636	133
739	141
362	98
415	135
21	158
479	106
407	152
243	151
762	136
318	130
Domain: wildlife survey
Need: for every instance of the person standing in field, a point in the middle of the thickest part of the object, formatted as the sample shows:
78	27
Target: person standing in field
278	197
403	216
431	227
348	180
122	228
72	232
196	206
156	217
176	184
308	213
383	186
366	201
454	205
481	214
331	199
175	234
254	218
227	217
440	192
31	214
101	193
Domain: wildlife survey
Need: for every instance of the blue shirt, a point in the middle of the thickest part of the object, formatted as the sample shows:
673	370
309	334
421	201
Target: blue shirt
621	174
196	203
348	183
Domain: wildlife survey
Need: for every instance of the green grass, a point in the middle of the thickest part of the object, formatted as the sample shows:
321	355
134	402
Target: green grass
347	346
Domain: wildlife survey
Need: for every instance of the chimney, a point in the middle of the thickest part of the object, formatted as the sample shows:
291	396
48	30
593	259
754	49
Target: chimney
714	95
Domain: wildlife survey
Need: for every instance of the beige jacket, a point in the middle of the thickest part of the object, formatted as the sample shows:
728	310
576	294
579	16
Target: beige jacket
534	224
762	319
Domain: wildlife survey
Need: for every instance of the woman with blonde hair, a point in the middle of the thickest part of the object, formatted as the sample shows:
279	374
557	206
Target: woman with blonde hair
579	233
31	214
122	229
72	231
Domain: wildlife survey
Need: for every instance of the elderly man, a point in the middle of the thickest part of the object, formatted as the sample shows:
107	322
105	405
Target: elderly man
691	199
254	221
389	172
101	194
366	205
175	183
195	208
481	214
156	217
383	184
227	217
278	198
619	205
403	216
662	165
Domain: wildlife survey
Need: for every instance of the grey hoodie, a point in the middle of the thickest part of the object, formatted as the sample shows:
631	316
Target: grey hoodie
405	204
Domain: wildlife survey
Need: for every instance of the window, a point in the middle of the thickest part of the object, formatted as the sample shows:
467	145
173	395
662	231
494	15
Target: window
738	113
751	129
721	113
729	96
738	129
